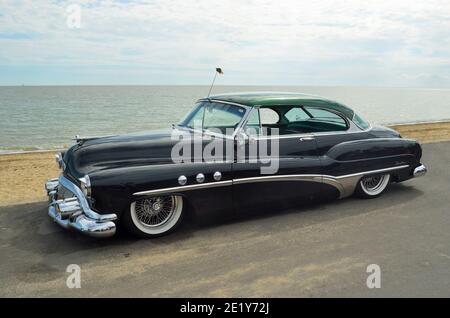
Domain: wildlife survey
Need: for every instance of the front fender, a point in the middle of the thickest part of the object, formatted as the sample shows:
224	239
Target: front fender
114	189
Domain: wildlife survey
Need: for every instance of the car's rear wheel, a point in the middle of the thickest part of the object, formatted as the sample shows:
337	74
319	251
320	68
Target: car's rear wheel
154	216
372	186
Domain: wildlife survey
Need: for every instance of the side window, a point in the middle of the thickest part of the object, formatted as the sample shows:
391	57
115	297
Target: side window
303	120
323	120
296	114
268	116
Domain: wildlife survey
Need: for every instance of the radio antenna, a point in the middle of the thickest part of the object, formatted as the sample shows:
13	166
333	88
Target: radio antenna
218	71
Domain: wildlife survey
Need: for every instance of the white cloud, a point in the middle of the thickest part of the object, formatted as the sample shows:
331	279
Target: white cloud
399	43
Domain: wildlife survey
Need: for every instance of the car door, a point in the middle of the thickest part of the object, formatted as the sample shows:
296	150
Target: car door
285	173
211	128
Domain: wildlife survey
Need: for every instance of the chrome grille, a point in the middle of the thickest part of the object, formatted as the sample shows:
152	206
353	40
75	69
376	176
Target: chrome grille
63	193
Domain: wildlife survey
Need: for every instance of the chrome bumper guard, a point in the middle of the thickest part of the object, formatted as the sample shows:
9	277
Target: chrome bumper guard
75	212
420	171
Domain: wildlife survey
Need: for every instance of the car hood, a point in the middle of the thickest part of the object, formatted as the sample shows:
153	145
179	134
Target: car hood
117	151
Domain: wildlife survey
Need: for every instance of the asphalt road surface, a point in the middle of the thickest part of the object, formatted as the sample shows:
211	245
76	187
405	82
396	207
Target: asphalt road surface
320	250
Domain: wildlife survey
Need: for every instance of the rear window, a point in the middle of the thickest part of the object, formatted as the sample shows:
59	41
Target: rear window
361	123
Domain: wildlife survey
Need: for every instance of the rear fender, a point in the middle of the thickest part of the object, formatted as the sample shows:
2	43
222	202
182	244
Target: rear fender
371	154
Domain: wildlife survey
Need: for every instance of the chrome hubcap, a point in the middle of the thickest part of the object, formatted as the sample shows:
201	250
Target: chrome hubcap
155	211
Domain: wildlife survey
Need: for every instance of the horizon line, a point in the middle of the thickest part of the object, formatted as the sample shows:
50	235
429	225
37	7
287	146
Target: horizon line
222	85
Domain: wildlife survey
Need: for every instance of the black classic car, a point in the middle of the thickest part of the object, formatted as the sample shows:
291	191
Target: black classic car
272	151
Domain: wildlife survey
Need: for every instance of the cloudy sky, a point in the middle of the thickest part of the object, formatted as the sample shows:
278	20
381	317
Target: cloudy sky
373	43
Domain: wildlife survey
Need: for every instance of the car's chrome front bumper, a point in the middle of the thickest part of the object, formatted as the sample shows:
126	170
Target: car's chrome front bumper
74	212
420	171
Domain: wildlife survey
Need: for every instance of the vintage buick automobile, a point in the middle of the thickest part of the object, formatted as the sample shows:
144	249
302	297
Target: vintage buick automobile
325	151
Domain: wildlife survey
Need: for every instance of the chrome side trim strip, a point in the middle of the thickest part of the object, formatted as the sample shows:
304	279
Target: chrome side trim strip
292	177
346	184
372	139
186	188
371	172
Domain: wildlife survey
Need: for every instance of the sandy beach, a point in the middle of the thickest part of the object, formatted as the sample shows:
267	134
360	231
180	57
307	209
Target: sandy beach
425	132
23	175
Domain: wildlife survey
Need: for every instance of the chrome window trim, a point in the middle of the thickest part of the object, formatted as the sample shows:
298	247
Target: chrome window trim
317	134
284	136
208	133
212	100
344	183
250	108
320	107
314	134
325	133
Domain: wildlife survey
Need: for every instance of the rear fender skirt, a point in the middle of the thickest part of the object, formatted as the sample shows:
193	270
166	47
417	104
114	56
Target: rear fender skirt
346	184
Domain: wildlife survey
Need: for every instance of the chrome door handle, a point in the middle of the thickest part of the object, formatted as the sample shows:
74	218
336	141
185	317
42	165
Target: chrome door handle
307	138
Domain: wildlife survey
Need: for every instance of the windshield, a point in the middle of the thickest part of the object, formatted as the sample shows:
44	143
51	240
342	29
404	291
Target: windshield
214	116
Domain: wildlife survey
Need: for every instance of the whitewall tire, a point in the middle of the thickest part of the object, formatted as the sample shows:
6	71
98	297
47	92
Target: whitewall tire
372	186
154	216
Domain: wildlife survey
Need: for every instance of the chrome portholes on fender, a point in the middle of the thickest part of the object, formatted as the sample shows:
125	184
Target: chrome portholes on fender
217	176
200	178
155	216
182	180
372	186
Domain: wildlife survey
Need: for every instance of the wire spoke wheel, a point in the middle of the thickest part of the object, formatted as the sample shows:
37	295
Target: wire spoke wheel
156	215
374	185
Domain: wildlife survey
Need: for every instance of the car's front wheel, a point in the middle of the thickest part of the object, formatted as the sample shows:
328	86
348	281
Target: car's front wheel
372	186
154	216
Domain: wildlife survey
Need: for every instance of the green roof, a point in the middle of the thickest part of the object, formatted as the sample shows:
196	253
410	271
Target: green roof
282	99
